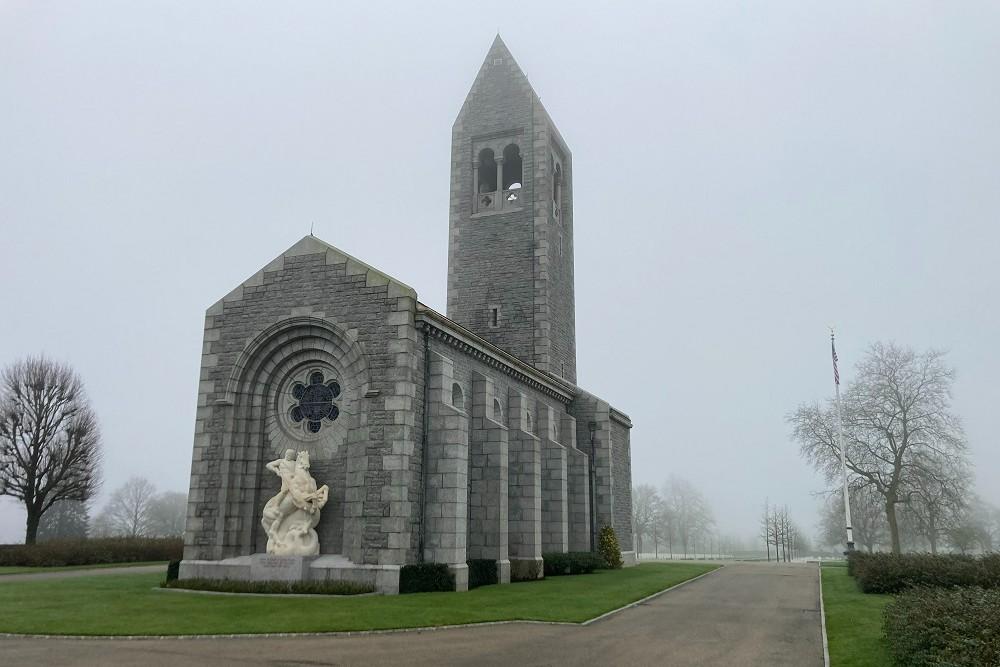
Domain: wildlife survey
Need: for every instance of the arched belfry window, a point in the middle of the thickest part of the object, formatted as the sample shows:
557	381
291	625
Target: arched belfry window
511	173
487	180
457	398
497	176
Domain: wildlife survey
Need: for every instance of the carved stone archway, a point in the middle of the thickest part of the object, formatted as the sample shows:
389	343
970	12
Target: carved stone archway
259	395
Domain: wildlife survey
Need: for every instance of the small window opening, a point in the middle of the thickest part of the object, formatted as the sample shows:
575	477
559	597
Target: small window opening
457	397
494	317
557	191
497	410
512	173
527	414
498	61
560	244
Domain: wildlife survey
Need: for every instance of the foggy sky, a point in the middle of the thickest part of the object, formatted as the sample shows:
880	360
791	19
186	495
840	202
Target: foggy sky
745	176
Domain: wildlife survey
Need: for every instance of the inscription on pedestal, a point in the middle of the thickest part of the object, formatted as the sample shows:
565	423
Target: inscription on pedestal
267	567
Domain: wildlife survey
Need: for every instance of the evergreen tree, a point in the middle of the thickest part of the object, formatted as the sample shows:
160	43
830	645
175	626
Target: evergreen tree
65	520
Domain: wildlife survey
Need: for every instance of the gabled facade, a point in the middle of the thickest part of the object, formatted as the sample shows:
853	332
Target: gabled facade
452	438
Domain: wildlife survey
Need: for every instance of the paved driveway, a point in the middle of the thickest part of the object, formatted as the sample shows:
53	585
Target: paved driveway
740	615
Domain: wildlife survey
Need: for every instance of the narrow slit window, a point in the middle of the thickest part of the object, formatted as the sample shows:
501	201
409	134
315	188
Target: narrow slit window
557	179
494	317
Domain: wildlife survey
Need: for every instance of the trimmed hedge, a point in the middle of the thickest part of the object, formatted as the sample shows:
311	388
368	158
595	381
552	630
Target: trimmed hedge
959	627
525	570
892	573
91	552
425	578
482	572
272	587
573	562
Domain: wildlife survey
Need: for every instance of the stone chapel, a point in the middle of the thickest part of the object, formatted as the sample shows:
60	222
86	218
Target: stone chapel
442	438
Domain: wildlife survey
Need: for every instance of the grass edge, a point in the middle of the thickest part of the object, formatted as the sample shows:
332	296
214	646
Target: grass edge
348	633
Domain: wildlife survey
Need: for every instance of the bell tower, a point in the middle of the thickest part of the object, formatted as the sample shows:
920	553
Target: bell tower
510	243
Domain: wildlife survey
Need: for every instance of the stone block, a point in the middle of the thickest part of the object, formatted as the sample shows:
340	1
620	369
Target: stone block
525	569
503	571
461	574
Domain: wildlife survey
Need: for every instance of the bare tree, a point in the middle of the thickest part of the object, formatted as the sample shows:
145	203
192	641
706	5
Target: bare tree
977	528
690	513
50	444
778	529
939	497
166	513
986	520
765	529
867	517
128	510
773	531
898	425
664	527
776	533
645	505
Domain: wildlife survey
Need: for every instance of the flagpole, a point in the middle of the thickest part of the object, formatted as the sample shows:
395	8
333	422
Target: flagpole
840	443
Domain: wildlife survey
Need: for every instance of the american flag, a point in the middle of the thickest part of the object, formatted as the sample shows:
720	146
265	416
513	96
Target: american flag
836	373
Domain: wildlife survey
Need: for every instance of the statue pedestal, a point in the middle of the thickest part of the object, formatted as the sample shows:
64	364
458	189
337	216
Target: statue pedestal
269	567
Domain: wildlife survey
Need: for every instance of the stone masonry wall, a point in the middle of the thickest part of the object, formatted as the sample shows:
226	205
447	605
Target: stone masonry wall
621	470
447	467
490	257
555	308
510	430
586	409
488	470
525	486
555	493
347	315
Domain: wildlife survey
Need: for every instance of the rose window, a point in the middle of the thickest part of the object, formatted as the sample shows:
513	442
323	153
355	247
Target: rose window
316	402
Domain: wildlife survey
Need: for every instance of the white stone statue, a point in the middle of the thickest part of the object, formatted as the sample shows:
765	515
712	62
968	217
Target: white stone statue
290	517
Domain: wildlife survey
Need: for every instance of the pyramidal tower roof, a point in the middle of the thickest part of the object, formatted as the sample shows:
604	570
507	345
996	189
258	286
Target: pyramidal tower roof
499	74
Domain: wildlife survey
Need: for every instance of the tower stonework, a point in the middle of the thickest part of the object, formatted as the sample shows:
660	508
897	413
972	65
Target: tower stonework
510	252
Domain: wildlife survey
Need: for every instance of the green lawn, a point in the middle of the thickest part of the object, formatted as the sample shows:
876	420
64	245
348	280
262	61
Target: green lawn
853	621
126	605
18	569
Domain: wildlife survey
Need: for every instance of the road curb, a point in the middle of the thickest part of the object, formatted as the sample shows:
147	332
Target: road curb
822	617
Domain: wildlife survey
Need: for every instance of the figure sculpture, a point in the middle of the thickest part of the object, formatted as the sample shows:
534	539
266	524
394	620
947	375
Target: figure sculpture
291	516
